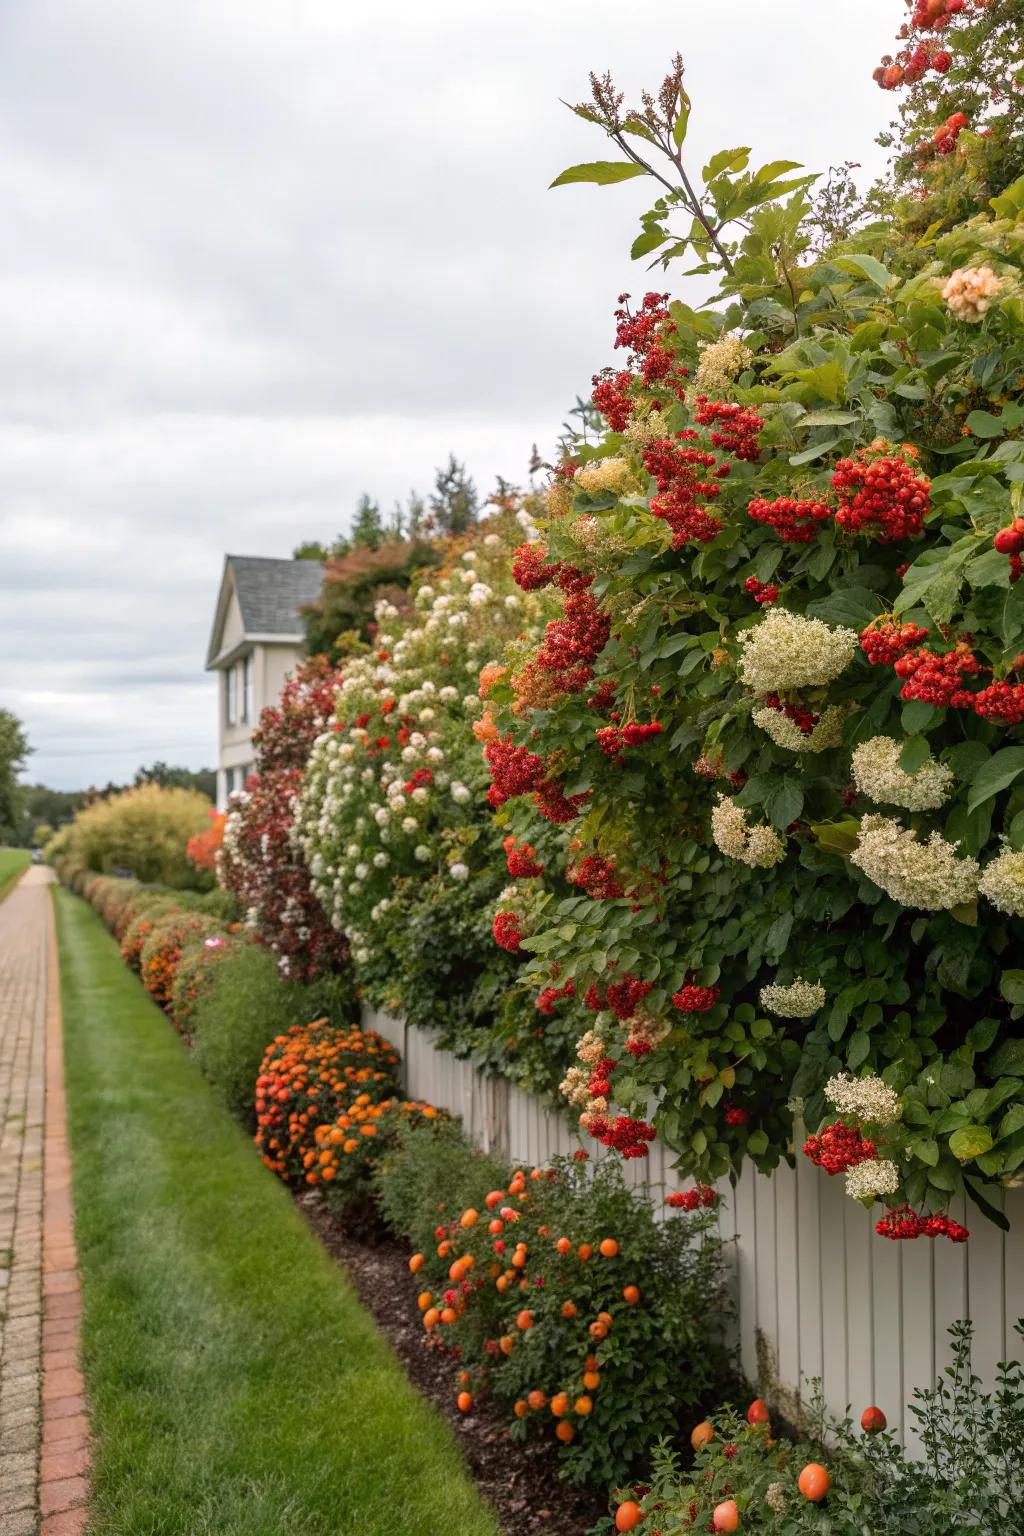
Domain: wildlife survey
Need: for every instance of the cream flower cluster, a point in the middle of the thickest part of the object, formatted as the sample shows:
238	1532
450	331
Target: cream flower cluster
758	846
1002	883
970	291
719	363
797	1001
873	1178
786	650
385	795
647	428
601	475
866	1097
929	875
878	775
827	733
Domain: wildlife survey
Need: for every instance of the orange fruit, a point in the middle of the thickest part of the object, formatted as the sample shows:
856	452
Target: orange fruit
494	1198
631	1294
583	1405
591	1380
536	1399
469	1218
726	1516
702	1434
448	1315
416	1263
430	1318
569	1309
563	1245
609	1247
591	1363
872	1421
606	1318
628	1516
584	1251
423	1300
464	1402
560	1405
814	1482
598	1331
757	1413
525	1319
495	1226
506	1343
501	1284
565	1431
520	1409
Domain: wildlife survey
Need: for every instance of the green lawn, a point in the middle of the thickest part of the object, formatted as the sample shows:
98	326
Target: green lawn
236	1383
13	864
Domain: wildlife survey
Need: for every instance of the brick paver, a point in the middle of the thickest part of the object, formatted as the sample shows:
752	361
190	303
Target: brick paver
44	1444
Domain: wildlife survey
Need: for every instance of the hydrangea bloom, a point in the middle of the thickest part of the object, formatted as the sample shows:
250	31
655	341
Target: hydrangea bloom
786	650
969	292
1002	883
612	475
827	731
878	775
873	1178
758	846
927	874
798	1000
866	1097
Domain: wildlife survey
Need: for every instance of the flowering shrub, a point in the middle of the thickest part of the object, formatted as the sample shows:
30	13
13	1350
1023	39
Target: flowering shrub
848	1480
203	847
194	974
260	861
559	1296
782	704
167	941
140	927
143	830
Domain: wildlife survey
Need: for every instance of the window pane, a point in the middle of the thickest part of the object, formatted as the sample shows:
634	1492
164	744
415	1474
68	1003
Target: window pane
230	692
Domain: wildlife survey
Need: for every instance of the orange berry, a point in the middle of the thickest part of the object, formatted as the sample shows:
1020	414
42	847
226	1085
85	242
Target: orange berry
560	1404
506	1343
609	1247
631	1294
814	1482
536	1400
591	1380
430	1318
448	1315
598	1331
569	1309
495	1226
584	1251
702	1434
520	1409
565	1431
628	1516
494	1198
464	1402
563	1245
424	1300
726	1516
583	1405
525	1319
469	1218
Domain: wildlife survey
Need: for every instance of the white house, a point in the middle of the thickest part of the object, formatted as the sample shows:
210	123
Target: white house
257	639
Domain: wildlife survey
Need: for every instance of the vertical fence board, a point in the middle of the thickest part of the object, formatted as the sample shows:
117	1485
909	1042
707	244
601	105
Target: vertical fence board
887	1319
985	1291
860	1365
918	1331
832	1260
787	1274
746	1270
808	1268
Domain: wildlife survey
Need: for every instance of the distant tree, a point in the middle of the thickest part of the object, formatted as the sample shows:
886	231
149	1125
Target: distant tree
41	834
367	525
14	749
454	504
168	777
312	549
416	514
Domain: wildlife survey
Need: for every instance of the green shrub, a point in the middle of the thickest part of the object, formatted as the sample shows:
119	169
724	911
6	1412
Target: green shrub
220	904
245	1006
194	977
143	830
410	1180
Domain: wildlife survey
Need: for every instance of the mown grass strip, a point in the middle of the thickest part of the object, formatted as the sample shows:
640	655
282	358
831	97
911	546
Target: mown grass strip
236	1384
13	864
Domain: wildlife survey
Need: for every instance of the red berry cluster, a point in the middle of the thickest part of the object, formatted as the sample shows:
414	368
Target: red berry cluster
946	134
904	1224
521	860
839	1147
573	642
555	805
883	494
622	998
507	931
938	680
645	334
1010	541
804	718
549	996
763	593
604	699
514	770
884	641
610	394
735	1114
1001	702
795	522
913	61
701	1196
694	999
596	876
681	488
612	738
531	569
736	427
420	779
599	1086
624	1135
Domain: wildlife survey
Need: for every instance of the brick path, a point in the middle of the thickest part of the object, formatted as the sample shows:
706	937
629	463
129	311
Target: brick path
43	1429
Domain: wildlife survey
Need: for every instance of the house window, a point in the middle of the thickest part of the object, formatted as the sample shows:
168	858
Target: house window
230	696
247	690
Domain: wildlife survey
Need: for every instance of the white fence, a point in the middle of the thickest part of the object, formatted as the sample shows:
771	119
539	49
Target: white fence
832	1300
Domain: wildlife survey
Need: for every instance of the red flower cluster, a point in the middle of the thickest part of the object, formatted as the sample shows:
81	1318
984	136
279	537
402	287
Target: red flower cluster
521	861
737	430
420	779
549	996
763	593
288	729
514	771
838	1147
203	847
612	739
913	62
645	336
938	680
694	999
599	1086
795	522
507	931
735	1114
1000	702
946	134
903	1224
596	876
624	1135
622	998
884	641
884	494
701	1196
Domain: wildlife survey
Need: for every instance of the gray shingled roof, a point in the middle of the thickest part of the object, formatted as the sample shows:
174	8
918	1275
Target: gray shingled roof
271	592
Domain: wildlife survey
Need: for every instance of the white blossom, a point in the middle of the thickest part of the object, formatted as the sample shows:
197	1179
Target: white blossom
878	775
874	1177
866	1097
759	846
1002	883
928	875
798	1000
969	292
459	871
826	733
786	650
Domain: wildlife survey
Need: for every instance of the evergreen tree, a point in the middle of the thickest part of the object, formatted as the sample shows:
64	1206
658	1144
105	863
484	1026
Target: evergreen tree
454	504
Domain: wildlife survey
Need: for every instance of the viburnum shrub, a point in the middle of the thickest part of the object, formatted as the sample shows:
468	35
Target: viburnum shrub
558	1295
162	950
849	1478
774	736
260	860
393	815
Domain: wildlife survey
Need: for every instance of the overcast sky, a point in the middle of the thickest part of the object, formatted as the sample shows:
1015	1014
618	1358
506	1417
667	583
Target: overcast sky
262	255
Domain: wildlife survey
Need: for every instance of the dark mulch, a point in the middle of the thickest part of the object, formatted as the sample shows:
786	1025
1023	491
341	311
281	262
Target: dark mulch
520	1481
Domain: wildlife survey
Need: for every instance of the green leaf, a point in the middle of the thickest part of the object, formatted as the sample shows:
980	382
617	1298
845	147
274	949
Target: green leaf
604	172
916	715
926	1150
646	242
915	754
1010	201
970	1142
1008	1060
998	773
773	170
838	836
870	267
726	160
827	419
784	803
1011	985
984	424
680	125
817	451
757	1143
994	1215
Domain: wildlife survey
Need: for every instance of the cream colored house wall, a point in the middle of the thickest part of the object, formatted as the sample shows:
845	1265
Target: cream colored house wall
272	662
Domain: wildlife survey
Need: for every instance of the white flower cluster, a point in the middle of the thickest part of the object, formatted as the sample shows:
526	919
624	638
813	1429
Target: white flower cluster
929	875
600	475
1002	883
398	773
825	734
719	363
797	1001
759	846
866	1097
647	428
970	291
878	775
873	1178
786	650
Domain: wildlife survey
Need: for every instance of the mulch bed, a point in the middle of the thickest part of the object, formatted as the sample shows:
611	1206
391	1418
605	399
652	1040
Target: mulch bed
521	1482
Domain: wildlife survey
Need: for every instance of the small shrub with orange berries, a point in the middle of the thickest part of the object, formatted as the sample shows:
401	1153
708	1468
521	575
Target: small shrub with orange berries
559	1296
170	937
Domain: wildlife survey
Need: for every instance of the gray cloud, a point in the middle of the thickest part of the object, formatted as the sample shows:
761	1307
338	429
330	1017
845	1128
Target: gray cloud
259	256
